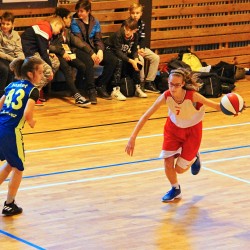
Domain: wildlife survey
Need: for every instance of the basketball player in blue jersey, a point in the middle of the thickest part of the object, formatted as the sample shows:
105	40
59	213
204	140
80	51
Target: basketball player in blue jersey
183	128
17	106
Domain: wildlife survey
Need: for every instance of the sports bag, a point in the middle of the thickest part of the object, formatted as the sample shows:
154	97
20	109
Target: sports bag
240	73
176	63
127	86
161	81
224	69
211	85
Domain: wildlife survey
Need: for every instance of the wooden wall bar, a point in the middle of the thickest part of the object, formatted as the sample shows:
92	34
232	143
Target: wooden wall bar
214	30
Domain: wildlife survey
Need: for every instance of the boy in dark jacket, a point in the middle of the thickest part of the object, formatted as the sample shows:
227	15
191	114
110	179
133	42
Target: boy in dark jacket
64	46
123	44
88	29
35	42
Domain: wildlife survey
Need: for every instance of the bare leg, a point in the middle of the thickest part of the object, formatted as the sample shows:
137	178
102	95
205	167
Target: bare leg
14	184
170	170
4	172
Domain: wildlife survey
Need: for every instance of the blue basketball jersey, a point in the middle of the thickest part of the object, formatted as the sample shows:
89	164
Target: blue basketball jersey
17	95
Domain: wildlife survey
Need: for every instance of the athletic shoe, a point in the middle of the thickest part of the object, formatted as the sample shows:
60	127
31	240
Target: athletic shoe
139	92
149	87
102	93
172	194
82	102
116	94
196	166
39	103
11	209
92	96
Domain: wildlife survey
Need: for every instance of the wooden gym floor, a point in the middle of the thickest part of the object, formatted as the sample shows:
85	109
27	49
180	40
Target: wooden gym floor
81	191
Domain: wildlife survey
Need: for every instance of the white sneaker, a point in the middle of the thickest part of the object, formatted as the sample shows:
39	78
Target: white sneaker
139	92
116	94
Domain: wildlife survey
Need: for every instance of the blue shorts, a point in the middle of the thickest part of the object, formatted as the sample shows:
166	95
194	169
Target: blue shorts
11	147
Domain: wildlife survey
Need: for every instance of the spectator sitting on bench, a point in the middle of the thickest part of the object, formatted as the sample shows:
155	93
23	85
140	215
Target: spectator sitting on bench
123	44
62	45
10	49
87	27
148	85
35	42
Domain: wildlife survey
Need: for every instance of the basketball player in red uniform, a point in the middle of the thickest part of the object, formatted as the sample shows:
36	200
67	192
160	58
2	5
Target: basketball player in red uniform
183	128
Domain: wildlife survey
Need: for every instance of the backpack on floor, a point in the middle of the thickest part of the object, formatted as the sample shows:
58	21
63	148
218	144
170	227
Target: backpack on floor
161	81
240	73
127	86
211	85
224	69
176	63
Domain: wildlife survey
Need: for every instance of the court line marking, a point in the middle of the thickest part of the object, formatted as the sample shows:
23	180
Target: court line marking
123	139
21	240
138	172
121	175
122	164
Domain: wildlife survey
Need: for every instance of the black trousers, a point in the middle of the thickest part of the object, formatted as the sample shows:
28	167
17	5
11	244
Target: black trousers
109	64
86	59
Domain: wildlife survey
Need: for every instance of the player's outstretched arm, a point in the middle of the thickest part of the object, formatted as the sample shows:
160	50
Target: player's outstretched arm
131	143
201	99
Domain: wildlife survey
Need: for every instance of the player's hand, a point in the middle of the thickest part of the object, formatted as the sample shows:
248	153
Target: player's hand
244	106
130	147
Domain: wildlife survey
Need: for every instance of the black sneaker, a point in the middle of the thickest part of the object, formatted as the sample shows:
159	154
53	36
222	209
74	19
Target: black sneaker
149	87
82	102
102	93
11	209
196	166
92	96
172	194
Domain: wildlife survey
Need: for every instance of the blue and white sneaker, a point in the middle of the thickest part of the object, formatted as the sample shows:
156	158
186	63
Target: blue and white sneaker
172	194
196	166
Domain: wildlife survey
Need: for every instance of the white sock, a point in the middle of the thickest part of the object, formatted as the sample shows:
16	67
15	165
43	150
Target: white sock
176	185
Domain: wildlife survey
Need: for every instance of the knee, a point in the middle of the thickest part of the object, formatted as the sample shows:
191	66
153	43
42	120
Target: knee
156	58
179	170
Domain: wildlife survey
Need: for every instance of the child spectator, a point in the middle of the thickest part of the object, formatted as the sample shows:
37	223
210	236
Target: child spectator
35	42
136	10
16	107
123	44
61	45
183	128
10	48
87	27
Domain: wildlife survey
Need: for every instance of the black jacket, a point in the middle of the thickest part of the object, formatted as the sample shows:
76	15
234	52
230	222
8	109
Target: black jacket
122	47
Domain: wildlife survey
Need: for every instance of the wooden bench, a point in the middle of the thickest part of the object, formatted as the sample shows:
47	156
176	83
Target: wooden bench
214	30
109	13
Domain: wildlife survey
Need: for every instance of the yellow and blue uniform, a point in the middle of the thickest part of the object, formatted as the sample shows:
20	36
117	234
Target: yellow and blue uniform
12	121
